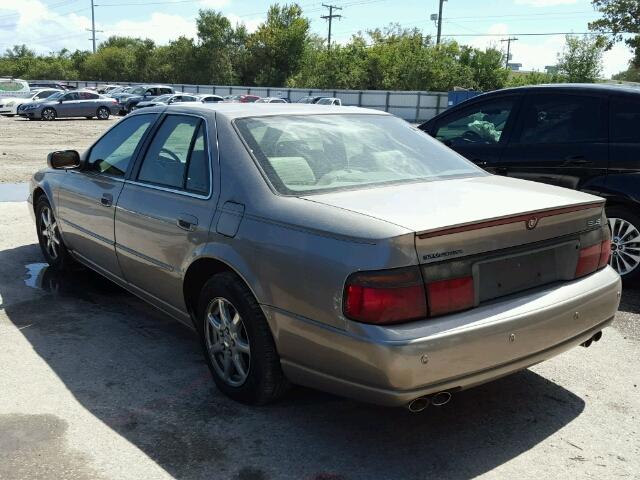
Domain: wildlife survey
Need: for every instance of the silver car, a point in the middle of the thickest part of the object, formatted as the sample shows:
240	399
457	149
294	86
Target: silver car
80	103
340	249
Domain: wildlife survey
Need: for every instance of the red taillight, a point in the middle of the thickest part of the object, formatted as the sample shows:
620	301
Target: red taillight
588	260
605	253
385	297
446	296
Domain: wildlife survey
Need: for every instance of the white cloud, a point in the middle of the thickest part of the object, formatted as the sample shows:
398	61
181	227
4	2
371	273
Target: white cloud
44	30
160	27
616	59
545	3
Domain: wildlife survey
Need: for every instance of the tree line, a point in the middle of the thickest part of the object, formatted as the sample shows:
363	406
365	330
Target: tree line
283	52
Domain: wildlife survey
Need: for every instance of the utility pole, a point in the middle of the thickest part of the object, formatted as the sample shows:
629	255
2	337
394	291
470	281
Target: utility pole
440	22
93	26
508	40
330	17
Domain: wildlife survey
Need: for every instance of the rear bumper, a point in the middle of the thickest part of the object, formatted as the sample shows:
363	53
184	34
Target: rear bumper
386	365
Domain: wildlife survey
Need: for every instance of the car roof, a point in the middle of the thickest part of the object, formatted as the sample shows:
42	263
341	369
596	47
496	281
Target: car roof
573	87
232	111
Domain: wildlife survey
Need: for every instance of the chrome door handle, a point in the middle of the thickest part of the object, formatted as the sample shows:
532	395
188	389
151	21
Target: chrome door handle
106	200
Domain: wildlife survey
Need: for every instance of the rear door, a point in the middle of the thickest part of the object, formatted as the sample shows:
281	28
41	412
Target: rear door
86	197
165	209
560	139
88	103
479	132
625	140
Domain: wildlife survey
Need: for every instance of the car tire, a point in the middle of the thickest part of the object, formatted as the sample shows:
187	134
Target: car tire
49	238
103	113
625	243
48	114
243	358
10	115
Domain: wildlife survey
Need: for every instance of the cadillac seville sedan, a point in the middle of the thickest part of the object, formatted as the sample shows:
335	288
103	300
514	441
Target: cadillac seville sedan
340	249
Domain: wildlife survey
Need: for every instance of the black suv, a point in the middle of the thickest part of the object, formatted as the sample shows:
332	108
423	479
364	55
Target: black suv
585	137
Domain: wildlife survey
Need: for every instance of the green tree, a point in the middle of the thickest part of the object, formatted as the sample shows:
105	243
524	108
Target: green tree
277	48
619	18
581	59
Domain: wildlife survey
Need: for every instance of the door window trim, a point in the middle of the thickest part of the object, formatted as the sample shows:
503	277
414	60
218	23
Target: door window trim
131	178
134	156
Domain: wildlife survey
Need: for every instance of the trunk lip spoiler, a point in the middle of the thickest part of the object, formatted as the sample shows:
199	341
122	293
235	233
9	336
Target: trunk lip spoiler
520	217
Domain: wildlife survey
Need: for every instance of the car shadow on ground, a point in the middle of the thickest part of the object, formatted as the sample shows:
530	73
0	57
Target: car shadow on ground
142	374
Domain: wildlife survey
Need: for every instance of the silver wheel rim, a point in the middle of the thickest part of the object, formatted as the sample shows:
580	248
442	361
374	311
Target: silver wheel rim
48	114
625	246
227	342
50	233
102	113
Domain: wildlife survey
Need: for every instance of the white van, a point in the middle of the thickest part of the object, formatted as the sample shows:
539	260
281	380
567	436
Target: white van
13	87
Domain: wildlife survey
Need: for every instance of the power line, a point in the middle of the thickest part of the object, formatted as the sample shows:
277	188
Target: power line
330	17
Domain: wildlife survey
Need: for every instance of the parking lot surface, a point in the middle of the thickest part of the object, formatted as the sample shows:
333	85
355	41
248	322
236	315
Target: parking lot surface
94	384
24	144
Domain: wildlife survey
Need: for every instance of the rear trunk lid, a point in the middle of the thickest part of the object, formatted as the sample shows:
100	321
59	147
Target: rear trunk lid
509	235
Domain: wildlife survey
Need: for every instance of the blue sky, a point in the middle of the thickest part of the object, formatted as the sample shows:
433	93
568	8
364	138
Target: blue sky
53	24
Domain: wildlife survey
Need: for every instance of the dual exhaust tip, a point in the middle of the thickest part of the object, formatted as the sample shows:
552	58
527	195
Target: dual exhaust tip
595	338
437	400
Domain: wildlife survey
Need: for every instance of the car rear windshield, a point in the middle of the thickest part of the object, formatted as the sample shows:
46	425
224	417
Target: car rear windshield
314	153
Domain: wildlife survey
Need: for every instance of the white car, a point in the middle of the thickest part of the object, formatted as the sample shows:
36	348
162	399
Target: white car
329	101
9	106
271	100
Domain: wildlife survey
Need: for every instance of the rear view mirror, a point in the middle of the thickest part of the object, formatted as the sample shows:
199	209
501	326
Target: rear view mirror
63	159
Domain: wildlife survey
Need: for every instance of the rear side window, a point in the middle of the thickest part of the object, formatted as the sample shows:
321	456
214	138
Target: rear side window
112	154
561	118
479	124
625	120
177	157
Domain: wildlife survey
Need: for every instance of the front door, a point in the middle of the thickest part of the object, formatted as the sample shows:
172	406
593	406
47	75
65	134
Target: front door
560	139
165	210
87	197
68	105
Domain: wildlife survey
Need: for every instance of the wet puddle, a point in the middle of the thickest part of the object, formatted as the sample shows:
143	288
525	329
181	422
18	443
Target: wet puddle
82	284
14	192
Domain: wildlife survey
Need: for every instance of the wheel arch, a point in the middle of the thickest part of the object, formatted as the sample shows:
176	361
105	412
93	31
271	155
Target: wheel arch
199	272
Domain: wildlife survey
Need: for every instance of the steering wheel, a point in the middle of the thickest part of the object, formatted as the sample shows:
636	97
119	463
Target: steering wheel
170	154
471	136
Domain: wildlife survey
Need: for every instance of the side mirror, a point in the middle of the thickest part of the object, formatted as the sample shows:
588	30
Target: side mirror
60	101
63	159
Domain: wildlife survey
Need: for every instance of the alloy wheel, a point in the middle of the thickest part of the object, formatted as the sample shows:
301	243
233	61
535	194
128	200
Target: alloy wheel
227	342
48	114
625	246
49	231
103	114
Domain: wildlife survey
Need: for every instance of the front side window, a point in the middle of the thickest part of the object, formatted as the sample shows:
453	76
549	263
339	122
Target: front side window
88	96
557	118
113	152
71	96
625	120
481	124
138	91
165	90
311	153
177	155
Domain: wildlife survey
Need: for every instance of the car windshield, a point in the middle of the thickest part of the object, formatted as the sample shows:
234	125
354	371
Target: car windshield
314	153
325	101
56	95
